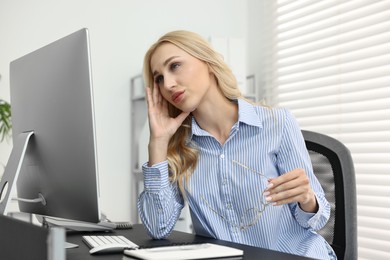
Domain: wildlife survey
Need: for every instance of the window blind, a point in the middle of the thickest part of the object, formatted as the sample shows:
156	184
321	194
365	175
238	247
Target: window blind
330	65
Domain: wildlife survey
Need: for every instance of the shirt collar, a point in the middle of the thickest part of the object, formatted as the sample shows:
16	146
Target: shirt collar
246	115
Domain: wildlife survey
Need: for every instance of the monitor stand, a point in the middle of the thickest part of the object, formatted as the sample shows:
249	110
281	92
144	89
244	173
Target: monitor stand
76	225
8	183
12	170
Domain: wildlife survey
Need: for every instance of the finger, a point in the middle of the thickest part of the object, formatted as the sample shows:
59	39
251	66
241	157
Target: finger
157	94
294	183
307	201
163	102
285	178
278	202
296	190
149	98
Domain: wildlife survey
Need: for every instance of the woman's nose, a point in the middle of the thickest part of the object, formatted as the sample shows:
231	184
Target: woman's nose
169	81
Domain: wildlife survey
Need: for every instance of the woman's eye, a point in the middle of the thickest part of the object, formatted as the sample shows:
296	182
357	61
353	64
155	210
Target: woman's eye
158	80
174	65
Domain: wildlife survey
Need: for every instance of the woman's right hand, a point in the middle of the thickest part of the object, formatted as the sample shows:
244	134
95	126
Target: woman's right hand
162	126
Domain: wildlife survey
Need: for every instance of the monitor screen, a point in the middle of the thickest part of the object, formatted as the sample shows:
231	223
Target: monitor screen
52	97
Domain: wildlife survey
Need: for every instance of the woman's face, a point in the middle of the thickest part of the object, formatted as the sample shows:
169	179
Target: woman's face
182	79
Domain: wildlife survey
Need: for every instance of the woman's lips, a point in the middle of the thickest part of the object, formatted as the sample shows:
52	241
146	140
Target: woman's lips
177	96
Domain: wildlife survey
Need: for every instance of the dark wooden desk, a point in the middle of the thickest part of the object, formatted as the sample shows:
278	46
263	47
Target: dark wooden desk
139	236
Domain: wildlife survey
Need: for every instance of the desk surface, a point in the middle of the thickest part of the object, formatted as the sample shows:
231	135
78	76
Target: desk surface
139	236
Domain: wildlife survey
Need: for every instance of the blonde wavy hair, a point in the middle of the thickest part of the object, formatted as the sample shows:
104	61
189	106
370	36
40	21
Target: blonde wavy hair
182	154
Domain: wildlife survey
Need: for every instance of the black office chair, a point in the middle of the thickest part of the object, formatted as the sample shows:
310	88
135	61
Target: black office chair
333	166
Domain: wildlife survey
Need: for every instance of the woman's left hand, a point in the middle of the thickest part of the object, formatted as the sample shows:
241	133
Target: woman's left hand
292	187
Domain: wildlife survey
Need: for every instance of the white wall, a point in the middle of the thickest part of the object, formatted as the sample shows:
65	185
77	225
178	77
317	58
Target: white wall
120	32
257	39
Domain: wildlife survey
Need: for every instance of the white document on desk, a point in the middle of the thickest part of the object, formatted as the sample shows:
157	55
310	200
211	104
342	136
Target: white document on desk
186	252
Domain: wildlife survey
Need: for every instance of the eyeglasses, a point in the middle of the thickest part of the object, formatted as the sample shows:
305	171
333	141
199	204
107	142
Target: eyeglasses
249	216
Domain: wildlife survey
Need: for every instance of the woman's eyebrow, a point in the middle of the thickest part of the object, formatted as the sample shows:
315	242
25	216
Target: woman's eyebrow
165	63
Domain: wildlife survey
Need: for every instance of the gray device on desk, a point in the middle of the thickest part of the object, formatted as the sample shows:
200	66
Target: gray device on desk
54	161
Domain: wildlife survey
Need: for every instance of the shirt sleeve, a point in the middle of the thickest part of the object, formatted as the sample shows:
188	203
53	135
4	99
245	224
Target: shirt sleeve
292	155
160	204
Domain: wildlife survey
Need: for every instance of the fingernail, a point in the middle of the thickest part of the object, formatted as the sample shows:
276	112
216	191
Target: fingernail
269	198
266	193
270	185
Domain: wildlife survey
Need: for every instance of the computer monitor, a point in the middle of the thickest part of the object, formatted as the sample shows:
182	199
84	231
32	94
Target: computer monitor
54	158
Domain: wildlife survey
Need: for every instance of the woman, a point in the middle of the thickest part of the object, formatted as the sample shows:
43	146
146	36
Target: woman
243	169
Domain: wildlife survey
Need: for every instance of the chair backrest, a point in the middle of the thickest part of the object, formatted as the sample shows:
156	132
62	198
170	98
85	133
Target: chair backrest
333	166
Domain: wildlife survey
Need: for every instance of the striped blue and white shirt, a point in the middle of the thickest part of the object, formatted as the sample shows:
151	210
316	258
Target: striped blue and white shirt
224	193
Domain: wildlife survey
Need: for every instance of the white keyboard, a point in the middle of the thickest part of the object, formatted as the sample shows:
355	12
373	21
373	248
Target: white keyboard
187	251
108	244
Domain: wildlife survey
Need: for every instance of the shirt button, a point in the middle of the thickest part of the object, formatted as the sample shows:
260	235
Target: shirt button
229	206
224	182
222	156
